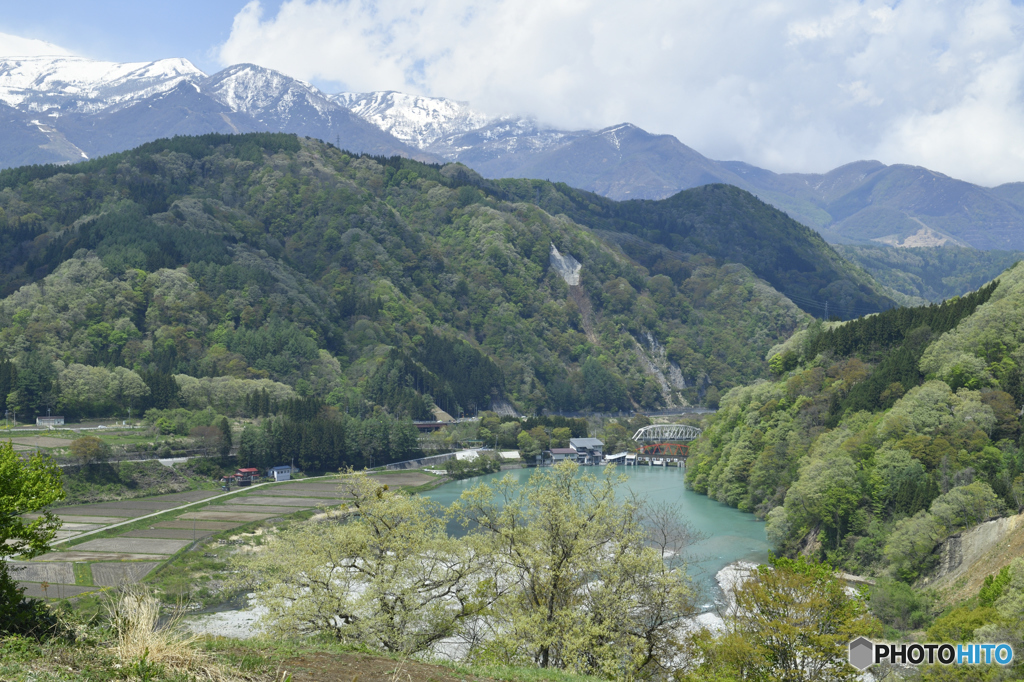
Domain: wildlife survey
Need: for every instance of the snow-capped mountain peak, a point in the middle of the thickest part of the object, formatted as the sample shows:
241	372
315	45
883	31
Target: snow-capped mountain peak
251	89
77	84
414	119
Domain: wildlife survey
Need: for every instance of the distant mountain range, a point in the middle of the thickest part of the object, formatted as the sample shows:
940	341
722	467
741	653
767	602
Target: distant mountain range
66	109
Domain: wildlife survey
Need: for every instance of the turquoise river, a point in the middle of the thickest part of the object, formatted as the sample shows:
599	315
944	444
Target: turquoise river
732	535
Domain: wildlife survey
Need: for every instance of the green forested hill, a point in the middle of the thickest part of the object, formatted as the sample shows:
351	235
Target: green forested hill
933	273
726	223
237	273
879	437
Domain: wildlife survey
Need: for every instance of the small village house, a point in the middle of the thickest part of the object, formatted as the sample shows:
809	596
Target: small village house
49	421
280	473
562	454
588	450
247	476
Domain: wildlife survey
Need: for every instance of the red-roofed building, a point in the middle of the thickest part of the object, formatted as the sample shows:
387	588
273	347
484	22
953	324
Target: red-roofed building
247	476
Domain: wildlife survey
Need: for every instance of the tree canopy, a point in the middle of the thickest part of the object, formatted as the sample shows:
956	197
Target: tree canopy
881	436
560	572
178	273
26	486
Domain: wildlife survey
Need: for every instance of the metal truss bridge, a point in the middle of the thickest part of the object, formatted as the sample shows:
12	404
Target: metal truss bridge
665	442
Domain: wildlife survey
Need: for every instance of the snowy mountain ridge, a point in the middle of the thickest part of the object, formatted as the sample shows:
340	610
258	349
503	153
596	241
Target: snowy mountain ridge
56	86
64	85
62	109
253	89
80	85
413	119
453	130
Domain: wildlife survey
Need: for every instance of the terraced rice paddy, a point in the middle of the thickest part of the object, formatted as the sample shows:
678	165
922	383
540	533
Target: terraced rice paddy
116	574
37	572
259	509
54	591
241	517
133	545
63	534
76	556
111	511
169	533
93	520
146	505
201	525
254	500
137	551
331	495
41	442
303	488
80	527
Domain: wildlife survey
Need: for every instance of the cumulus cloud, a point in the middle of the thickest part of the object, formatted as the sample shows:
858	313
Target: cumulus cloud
17	46
788	85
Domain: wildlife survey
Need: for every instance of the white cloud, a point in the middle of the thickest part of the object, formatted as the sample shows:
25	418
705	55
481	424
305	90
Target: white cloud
795	85
17	46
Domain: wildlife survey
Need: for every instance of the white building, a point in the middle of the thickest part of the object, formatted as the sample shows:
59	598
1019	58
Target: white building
50	421
280	473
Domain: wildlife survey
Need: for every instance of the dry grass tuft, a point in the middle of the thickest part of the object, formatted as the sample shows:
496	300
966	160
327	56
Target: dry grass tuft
143	642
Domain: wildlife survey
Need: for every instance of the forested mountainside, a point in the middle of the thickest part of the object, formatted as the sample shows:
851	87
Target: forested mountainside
932	273
879	437
233	273
719	220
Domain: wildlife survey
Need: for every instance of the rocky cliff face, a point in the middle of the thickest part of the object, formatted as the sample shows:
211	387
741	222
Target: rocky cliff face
966	558
566	266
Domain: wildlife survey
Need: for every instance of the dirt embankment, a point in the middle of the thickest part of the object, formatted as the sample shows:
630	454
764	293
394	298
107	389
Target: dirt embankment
106	482
967	557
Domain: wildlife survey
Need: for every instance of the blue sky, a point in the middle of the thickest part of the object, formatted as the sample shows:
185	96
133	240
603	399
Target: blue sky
789	85
128	31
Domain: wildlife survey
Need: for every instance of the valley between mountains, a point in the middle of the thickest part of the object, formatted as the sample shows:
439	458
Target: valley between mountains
264	299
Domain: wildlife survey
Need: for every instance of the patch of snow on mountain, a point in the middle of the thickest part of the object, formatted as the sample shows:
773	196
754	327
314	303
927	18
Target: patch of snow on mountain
507	135
419	121
86	85
612	133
